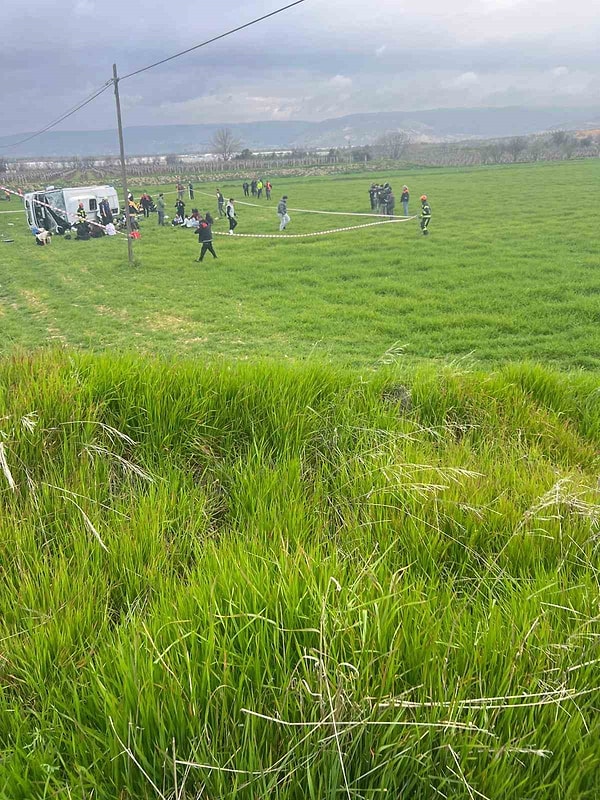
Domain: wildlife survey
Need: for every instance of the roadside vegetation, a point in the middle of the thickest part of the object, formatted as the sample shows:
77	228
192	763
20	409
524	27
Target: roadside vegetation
297	581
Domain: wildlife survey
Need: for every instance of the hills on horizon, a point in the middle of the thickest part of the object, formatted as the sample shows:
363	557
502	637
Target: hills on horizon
435	125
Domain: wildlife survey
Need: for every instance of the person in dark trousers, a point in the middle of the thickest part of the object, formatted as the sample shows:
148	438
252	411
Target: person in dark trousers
191	190
404	198
180	206
106	215
160	208
205	238
81	215
145	202
253	188
268	187
425	215
391	204
372	194
220	203
231	215
246	188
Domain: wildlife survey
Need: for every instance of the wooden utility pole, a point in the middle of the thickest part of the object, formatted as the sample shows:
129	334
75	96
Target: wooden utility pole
123	170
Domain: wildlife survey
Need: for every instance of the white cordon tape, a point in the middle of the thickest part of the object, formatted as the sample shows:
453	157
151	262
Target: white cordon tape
317	233
307	210
53	208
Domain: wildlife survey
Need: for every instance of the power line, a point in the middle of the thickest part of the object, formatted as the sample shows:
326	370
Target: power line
61	118
214	39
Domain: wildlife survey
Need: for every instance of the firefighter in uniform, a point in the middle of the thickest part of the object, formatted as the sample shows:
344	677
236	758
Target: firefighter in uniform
81	215
425	215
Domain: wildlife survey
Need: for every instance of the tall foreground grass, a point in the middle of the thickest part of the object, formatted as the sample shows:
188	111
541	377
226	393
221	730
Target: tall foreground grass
249	582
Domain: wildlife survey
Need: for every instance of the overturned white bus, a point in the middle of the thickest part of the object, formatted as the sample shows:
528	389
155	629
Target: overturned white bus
56	209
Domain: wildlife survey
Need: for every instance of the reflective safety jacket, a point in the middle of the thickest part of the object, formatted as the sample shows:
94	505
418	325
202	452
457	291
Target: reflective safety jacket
81	215
426	210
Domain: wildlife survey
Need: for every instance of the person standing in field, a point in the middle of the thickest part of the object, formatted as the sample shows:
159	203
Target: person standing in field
180	206
106	216
246	188
425	215
220	202
404	198
391	204
205	238
160	208
191	190
230	212
284	217
180	190
268	187
145	202
81	215
259	188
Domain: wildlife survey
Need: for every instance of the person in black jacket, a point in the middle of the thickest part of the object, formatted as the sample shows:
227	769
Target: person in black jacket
205	238
425	215
180	206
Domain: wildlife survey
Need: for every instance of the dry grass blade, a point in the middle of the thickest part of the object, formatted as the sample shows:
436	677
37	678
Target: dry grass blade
88	522
127	465
6	468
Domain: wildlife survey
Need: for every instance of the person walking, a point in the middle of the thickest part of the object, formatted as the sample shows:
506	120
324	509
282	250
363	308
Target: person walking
404	198
268	187
230	212
284	217
205	238
191	190
160	208
425	215
220	203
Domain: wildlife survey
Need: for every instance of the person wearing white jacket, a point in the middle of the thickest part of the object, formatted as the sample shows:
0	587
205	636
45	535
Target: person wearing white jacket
230	212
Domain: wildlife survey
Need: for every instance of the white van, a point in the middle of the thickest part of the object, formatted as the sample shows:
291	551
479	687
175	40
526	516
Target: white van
56	209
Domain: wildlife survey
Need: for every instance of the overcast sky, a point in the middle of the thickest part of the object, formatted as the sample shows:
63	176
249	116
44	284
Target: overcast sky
323	58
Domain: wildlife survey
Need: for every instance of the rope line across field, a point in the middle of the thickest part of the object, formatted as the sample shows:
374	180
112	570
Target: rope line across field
314	233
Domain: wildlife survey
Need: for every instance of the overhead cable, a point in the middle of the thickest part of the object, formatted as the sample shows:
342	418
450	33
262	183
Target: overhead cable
210	41
64	116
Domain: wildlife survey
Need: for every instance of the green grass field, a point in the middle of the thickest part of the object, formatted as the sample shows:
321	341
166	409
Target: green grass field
293	582
363	565
510	272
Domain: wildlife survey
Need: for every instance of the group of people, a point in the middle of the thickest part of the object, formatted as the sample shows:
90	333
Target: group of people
256	187
382	201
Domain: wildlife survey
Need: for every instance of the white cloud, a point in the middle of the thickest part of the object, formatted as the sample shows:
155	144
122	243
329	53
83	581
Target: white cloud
380	50
560	71
340	82
462	81
84	8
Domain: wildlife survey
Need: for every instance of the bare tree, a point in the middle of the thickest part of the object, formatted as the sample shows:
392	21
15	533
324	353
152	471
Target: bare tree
515	146
224	143
393	144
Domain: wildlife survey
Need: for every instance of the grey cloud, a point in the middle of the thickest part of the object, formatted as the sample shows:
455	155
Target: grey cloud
394	56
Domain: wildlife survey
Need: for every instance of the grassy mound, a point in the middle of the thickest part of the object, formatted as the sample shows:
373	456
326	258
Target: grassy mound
235	581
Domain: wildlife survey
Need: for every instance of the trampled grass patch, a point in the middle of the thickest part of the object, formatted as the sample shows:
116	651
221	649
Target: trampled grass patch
252	581
510	272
